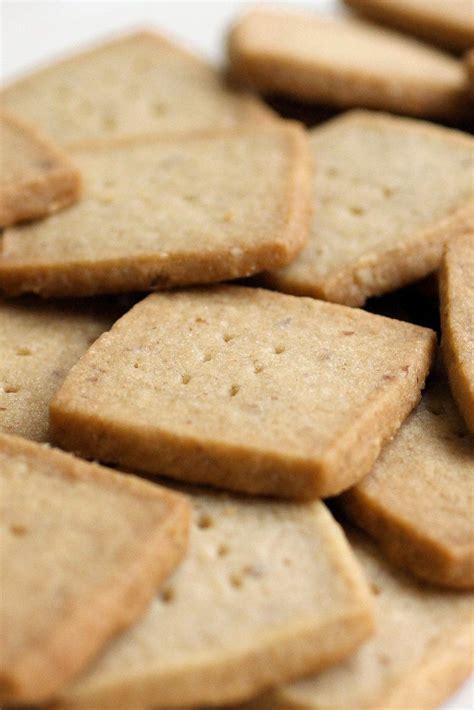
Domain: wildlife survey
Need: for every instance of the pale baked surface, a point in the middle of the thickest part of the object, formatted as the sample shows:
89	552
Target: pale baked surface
418	500
36	177
268	590
245	389
382	215
158	212
447	23
421	651
39	343
137	84
456	280
344	62
85	549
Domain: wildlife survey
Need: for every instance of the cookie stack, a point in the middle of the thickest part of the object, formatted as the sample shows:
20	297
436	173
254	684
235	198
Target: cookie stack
177	552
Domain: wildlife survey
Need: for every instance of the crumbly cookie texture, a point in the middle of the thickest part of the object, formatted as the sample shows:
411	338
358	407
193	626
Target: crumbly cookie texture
447	24
85	549
237	617
246	389
417	501
382	216
37	178
162	212
345	63
137	84
39	343
421	651
456	282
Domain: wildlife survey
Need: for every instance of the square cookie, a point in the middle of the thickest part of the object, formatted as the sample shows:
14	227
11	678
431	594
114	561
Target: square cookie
83	549
141	83
161	212
245	389
388	193
237	618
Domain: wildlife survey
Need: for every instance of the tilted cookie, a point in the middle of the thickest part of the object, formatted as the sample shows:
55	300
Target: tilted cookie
158	212
345	63
245	389
421	651
137	84
83	550
39	343
418	500
267	591
36	177
448	23
456	280
388	194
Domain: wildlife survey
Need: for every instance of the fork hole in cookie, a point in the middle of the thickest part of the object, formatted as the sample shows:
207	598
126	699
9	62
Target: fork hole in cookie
23	351
205	521
279	349
235	580
223	550
227	337
357	211
168	595
185	379
207	357
18	530
11	389
258	368
234	389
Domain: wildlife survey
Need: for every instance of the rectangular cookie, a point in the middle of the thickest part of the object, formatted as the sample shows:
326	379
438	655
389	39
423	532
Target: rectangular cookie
39	343
345	63
245	389
447	23
160	212
237	617
83	549
418	500
421	651
456	286
388	194
36	177
140	83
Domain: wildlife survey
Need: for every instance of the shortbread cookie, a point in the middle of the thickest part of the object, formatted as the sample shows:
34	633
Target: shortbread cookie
36	178
138	84
161	212
237	617
344	62
245	389
388	193
447	23
456	279
83	550
421	651
418	500
39	343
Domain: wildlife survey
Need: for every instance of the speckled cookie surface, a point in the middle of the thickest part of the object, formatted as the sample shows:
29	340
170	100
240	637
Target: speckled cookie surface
237	617
382	215
421	651
345	63
85	549
137	84
157	213
456	280
39	343
417	501
36	178
244	388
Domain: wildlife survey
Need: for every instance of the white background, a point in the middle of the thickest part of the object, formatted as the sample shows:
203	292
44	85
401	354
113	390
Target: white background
34	32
